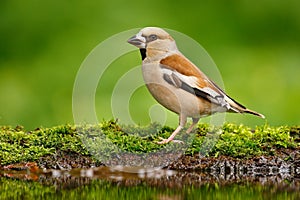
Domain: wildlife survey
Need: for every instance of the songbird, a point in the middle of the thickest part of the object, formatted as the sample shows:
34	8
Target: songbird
177	84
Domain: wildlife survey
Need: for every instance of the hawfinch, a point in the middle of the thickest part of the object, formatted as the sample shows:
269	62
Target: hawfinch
177	84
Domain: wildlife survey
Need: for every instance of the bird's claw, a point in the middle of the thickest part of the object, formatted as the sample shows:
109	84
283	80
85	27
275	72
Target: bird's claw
165	141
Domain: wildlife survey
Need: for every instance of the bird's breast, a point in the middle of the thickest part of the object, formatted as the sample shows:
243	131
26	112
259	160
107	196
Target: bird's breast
173	98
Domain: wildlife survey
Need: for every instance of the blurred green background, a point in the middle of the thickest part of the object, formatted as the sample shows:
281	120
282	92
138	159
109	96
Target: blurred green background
256	46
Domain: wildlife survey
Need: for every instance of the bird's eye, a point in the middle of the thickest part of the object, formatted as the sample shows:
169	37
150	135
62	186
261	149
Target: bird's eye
152	37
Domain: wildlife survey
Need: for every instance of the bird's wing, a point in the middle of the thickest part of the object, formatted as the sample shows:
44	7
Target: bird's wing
189	84
181	73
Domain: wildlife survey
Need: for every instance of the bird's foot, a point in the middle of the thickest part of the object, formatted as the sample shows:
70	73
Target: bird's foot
165	141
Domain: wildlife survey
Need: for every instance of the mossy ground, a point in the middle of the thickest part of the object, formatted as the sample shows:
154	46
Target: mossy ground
237	141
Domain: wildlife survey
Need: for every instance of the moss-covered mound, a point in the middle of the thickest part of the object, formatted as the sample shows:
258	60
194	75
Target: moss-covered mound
111	139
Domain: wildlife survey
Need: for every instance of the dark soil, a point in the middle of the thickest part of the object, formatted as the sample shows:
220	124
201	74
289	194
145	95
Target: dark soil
286	160
281	171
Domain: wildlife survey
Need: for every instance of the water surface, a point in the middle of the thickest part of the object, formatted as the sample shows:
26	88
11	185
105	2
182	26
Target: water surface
146	183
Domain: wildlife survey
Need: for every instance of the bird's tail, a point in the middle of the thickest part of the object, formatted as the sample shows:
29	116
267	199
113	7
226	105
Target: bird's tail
254	113
239	108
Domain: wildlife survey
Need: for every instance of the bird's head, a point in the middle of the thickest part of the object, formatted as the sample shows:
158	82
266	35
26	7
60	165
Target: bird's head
153	39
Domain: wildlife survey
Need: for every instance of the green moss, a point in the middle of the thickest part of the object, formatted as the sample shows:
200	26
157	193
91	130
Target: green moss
109	138
18	145
241	141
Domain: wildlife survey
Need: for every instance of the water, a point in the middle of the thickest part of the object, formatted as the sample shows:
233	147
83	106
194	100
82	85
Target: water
145	183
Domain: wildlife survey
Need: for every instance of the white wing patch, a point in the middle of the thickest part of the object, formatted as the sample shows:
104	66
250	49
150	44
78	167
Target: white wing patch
190	84
210	91
190	80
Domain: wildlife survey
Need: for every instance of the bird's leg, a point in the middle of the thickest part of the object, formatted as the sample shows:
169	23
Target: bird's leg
164	141
182	121
195	121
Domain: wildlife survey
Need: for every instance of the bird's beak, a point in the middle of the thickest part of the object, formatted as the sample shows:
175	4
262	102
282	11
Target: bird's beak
138	41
